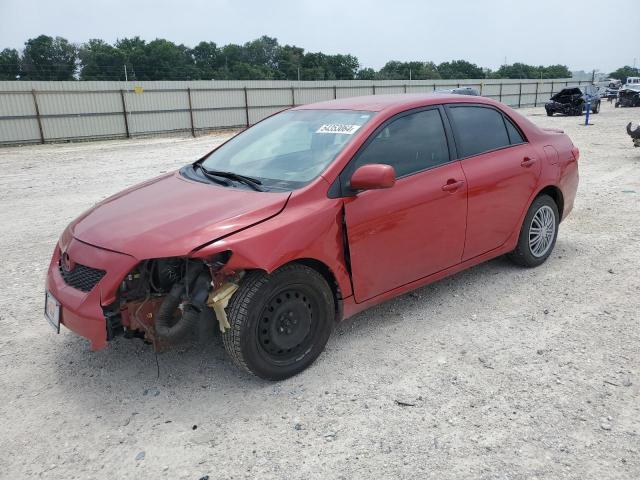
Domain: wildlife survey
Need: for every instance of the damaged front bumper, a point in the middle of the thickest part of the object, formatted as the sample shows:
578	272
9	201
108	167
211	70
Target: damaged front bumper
85	279
564	108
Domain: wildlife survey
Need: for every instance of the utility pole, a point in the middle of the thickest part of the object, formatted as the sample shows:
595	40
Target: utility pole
409	74
126	79
298	73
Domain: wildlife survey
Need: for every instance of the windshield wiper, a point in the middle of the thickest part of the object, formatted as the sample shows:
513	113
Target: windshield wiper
215	178
250	181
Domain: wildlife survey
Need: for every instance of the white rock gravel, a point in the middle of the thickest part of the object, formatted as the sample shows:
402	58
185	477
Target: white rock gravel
495	373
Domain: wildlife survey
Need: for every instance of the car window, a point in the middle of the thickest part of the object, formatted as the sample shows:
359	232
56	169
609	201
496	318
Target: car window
515	137
409	144
478	129
291	148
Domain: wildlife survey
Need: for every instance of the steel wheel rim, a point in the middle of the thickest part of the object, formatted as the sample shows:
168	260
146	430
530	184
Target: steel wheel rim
287	326
542	231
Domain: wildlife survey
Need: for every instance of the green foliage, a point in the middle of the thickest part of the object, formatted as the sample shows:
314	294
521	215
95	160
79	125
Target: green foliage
459	69
395	70
623	72
9	64
101	61
47	58
522	70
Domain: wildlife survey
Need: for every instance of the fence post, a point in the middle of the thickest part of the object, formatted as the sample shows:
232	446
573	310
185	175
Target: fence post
124	114
552	83
246	106
35	104
193	130
335	92
374	89
293	97
500	94
535	102
520	95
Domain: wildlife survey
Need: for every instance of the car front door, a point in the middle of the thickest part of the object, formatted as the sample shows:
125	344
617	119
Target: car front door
417	227
502	171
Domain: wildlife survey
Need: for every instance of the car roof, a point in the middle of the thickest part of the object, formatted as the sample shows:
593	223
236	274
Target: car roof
379	103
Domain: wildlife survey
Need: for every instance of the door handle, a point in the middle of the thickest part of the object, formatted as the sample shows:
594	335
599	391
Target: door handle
528	161
452	185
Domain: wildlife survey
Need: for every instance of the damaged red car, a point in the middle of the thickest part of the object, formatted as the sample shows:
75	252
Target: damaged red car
309	217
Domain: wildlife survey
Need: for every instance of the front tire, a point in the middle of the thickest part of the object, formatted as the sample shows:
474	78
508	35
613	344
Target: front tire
596	108
280	322
538	234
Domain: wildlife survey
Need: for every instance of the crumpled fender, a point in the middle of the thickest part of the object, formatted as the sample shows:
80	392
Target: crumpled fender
306	229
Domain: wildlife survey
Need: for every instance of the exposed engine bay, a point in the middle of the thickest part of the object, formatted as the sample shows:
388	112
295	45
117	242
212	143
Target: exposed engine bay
168	300
569	101
628	97
633	129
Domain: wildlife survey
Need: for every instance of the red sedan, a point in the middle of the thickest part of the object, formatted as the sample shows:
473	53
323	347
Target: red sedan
309	217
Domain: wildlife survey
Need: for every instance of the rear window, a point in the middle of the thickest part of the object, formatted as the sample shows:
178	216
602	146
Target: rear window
478	129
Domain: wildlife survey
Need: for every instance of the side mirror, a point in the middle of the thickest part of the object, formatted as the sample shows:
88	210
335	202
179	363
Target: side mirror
373	176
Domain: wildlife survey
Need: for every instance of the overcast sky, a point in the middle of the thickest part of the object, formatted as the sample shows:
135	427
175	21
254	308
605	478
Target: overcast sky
582	34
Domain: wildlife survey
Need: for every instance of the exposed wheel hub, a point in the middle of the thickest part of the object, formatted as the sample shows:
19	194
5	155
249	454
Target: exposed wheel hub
286	324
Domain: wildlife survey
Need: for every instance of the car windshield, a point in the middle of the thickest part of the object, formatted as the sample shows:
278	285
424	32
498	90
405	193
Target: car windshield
289	149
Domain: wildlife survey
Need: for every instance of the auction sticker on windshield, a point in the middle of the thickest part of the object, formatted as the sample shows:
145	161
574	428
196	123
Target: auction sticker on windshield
338	128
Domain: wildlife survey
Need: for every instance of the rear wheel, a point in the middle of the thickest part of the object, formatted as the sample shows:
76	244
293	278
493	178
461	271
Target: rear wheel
538	234
596	108
549	113
280	322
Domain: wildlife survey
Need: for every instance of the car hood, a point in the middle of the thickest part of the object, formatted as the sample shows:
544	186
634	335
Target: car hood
171	216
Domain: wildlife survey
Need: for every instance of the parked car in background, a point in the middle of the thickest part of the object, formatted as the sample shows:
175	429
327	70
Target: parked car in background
608	93
631	81
629	96
459	91
308	217
574	101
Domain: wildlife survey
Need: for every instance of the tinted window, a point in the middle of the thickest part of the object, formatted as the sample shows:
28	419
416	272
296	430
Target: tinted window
478	129
409	144
514	135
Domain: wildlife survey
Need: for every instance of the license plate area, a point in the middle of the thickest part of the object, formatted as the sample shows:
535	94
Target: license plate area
52	311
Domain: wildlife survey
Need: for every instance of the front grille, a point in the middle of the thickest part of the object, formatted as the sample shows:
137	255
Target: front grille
81	277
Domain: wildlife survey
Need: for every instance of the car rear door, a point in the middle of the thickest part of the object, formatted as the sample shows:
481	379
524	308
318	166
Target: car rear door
417	227
502	170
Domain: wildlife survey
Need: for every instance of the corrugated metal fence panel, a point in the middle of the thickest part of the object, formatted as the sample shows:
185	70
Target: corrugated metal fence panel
75	110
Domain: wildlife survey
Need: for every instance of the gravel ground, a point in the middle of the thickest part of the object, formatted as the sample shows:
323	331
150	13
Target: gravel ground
495	373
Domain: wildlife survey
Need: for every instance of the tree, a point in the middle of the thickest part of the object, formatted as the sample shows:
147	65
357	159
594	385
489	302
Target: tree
159	59
623	72
556	71
9	64
289	61
459	69
395	70
208	60
101	61
366	74
47	58
522	70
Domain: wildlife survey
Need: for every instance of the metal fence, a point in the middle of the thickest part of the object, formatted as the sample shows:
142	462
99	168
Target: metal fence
40	112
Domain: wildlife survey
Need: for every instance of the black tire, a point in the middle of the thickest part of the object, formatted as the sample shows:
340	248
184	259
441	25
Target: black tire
523	254
616	105
280	322
549	113
596	108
